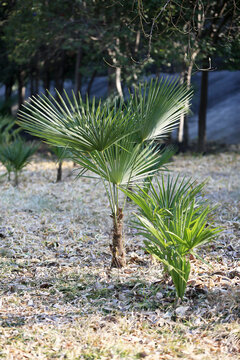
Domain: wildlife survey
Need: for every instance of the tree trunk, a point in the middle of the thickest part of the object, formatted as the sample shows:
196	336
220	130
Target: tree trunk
111	83
78	75
8	94
203	113
91	82
36	82
189	80
46	81
21	88
183	136
59	81
182	121
117	247
59	171
114	73
31	84
118	82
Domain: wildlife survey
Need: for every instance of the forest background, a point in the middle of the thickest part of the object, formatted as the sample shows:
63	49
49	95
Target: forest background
47	45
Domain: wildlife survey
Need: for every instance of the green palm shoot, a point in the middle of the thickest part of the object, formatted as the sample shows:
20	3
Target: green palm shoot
112	140
175	220
16	155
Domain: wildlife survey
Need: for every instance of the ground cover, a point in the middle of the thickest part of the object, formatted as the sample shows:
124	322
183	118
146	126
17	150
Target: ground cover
60	300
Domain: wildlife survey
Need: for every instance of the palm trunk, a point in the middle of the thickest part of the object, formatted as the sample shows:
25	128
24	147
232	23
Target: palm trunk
16	179
59	171
117	247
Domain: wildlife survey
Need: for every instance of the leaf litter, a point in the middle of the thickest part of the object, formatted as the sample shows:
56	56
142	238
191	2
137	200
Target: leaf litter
59	299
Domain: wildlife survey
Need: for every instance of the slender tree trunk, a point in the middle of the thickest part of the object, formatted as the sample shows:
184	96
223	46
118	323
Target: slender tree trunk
111	82
21	88
183	135
59	171
91	82
115	71
117	247
59	81
182	118
8	94
78	75
203	112
118	81
136	49
46	81
189	80
8	91
31	84
36	82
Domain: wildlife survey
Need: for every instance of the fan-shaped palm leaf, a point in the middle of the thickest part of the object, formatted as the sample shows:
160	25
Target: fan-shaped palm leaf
87	127
158	106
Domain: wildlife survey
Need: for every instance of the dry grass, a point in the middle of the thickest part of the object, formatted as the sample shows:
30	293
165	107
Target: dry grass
60	301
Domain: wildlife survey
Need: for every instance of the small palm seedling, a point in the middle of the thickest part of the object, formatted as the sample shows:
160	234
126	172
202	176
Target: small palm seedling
16	155
174	219
60	153
113	141
8	133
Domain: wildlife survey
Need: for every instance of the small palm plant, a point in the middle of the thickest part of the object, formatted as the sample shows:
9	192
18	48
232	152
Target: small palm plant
174	219
8	133
16	155
114	141
60	153
7	130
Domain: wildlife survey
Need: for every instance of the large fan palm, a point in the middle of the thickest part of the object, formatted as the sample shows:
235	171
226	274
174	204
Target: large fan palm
113	141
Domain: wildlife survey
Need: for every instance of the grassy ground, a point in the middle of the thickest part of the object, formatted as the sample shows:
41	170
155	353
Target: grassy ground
59	299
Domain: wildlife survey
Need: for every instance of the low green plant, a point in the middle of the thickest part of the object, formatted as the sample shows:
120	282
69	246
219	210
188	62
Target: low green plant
16	155
61	153
174	219
7	131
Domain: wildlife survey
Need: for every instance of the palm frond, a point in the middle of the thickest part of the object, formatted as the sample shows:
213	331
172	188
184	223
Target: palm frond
158	106
85	127
122	163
